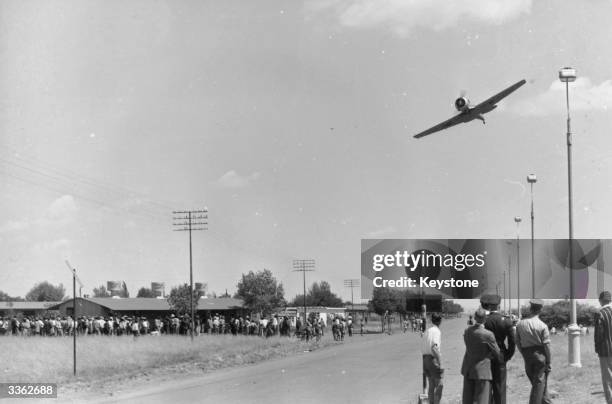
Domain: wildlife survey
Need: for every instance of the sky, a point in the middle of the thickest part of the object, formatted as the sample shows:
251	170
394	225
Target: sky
292	123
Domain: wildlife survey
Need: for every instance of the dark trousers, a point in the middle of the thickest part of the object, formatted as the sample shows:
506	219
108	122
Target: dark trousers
535	366
498	385
476	391
433	372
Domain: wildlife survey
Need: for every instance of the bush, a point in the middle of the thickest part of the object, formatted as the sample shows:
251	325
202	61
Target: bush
558	314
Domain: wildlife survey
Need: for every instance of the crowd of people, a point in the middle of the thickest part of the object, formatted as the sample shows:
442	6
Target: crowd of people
491	340
312	328
98	325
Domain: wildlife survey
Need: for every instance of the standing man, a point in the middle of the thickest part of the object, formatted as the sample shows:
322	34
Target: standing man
533	341
480	347
432	360
502	328
603	342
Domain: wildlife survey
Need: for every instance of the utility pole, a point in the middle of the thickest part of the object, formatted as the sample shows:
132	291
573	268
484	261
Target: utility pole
185	220
505	292
568	75
352	283
304	266
75	278
517	219
509	244
531	179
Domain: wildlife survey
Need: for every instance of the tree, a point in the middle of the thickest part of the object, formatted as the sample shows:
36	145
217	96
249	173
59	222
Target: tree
4	297
145	292
179	299
383	299
319	294
558	314
100	292
260	292
46	292
450	307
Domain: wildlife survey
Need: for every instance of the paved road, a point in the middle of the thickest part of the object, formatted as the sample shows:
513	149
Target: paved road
370	369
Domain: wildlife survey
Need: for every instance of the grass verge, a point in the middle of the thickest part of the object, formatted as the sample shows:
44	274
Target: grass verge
107	362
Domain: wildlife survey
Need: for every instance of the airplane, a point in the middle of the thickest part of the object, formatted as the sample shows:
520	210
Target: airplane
468	114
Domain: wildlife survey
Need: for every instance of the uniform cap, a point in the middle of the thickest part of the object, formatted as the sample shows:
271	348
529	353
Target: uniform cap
536	302
490	299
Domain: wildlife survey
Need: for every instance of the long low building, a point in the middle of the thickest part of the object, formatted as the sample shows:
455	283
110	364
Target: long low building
8	309
145	306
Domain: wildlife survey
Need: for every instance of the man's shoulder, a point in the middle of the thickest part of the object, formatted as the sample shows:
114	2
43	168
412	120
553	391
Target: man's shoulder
496	319
606	309
485	333
479	332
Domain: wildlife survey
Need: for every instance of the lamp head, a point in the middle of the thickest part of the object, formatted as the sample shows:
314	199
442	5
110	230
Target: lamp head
567	74
531	178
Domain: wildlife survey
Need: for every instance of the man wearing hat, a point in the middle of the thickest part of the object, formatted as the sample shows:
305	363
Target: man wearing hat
533	341
501	327
603	342
480	347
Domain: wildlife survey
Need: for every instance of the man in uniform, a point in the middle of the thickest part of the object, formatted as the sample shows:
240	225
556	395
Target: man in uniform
501	327
480	347
603	342
533	341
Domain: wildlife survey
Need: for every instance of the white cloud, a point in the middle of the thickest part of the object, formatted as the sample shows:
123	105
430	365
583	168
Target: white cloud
14	225
402	16
583	96
59	212
383	232
232	179
61	246
61	209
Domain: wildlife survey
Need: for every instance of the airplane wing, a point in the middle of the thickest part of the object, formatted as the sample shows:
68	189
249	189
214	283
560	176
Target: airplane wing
457	119
489	104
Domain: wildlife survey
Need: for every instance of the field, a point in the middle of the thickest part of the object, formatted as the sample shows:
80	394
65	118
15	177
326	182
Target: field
122	362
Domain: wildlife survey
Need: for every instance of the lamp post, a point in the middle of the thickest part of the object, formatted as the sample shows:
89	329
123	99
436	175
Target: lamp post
568	75
509	243
531	179
518	219
505	292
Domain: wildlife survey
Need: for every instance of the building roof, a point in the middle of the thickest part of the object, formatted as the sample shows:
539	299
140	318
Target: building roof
359	307
132	303
27	305
154	304
220	303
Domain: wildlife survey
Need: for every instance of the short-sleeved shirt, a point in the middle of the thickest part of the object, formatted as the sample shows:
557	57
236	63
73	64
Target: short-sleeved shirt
532	332
432	337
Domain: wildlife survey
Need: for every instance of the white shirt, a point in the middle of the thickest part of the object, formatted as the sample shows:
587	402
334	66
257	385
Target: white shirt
432	337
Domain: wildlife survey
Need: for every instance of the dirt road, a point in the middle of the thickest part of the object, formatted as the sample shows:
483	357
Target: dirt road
369	369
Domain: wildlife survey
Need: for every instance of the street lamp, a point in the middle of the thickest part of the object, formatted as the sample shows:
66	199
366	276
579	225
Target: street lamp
531	179
518	219
568	75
